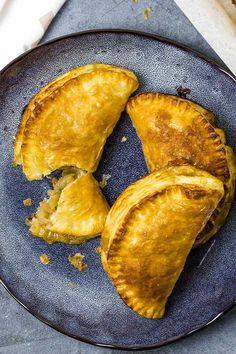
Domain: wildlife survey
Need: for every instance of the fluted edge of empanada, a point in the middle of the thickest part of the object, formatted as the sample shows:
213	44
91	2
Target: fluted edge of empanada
207	114
115	271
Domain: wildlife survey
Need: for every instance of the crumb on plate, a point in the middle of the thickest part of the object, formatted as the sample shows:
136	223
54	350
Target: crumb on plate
147	13
104	180
183	91
124	139
71	283
27	202
44	259
77	260
135	1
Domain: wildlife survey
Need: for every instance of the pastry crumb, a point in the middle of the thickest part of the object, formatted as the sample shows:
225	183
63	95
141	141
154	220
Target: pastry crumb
147	13
98	250
183	91
27	202
124	139
44	259
134	1
14	138
77	260
104	180
71	283
54	181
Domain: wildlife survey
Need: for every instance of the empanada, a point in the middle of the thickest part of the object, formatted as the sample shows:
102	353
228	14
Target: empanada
69	126
150	230
74	212
47	90
175	131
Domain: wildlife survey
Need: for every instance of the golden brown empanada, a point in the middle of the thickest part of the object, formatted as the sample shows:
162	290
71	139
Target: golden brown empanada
48	89
74	212
150	230
175	131
70	126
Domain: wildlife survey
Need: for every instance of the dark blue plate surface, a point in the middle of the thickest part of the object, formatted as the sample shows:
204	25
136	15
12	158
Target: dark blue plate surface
92	310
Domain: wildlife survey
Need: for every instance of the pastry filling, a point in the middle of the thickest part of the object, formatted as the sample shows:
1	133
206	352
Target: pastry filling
74	212
41	222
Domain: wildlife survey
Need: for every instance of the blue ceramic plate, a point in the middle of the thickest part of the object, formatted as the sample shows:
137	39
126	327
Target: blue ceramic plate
92	310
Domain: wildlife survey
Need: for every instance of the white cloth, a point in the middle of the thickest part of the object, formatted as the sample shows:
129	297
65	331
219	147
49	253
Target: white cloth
216	21
22	25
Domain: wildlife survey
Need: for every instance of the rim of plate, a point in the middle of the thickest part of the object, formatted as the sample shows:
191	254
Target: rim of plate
168	42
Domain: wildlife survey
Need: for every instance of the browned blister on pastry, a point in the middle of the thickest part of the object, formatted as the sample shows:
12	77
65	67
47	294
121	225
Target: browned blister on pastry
67	124
74	212
150	231
175	131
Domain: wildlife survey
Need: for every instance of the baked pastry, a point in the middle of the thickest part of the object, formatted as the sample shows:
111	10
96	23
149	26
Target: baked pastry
48	89
150	230
67	123
175	131
74	212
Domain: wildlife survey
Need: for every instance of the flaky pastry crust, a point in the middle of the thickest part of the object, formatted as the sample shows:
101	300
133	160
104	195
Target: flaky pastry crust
69	127
48	89
150	230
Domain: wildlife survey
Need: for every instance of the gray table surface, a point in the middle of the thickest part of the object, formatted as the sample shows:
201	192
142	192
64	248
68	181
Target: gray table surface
20	332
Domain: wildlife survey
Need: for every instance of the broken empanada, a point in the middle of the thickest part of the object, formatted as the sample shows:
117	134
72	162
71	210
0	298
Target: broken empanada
67	124
74	212
47	90
150	230
175	131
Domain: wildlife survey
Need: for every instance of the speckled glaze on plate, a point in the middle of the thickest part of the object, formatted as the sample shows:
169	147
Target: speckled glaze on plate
92	310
